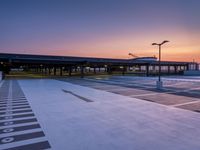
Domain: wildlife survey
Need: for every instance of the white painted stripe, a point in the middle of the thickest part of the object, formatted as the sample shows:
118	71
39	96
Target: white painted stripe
24	142
193	102
20	132
22	113
15	119
186	80
1	83
18	125
148	94
15	106
119	83
2	111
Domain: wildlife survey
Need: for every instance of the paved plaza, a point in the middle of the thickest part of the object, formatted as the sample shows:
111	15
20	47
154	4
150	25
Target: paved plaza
100	113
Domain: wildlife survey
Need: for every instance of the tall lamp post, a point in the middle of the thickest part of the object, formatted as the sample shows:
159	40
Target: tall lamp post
159	82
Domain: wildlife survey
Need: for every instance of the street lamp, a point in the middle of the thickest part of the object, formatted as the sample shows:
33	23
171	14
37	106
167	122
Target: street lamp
159	82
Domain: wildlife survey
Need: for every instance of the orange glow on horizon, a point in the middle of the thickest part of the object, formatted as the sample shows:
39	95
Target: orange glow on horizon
183	46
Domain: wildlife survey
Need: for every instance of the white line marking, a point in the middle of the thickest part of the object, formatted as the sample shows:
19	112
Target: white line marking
152	94
176	105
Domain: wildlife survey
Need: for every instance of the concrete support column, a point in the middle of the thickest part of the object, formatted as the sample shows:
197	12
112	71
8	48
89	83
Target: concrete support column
147	70
196	67
45	70
123	70
154	69
175	69
49	71
82	71
70	71
106	69
168	69
140	68
42	70
109	69
178	68
61	71
54	71
187	67
75	68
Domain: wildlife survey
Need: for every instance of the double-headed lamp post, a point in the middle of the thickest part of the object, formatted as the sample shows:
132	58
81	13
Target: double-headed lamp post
159	82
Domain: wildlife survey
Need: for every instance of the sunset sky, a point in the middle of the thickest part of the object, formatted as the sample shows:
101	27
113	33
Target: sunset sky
101	28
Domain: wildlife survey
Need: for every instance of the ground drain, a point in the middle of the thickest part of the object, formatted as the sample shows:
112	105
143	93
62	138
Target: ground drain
147	100
78	96
197	111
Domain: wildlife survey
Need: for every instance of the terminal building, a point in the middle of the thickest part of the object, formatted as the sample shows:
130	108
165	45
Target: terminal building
69	65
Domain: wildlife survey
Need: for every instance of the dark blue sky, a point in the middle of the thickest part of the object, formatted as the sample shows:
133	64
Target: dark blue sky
102	28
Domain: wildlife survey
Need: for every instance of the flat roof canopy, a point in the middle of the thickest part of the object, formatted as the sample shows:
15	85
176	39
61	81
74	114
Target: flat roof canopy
15	59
